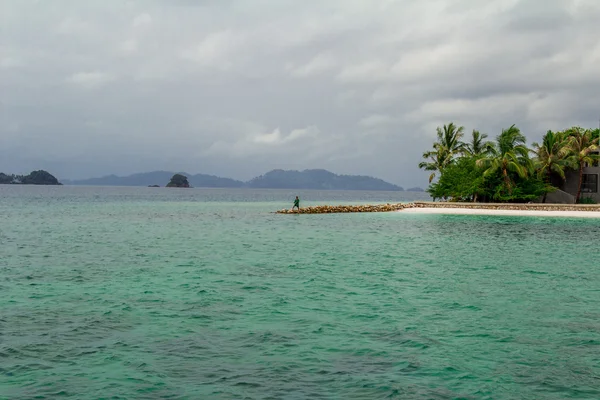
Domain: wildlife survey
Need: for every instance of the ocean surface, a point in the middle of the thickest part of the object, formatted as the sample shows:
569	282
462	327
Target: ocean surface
146	293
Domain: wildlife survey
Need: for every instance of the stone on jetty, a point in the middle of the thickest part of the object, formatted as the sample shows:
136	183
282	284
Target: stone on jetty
346	209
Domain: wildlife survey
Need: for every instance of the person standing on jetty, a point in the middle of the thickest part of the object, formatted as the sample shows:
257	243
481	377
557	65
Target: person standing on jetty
296	204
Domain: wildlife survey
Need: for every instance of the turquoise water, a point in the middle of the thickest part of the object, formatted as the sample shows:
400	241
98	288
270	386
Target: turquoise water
192	294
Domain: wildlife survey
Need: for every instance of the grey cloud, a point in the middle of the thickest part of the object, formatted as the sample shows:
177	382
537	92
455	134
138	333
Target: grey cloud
239	87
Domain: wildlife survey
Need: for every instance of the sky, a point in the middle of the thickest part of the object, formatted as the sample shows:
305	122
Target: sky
236	88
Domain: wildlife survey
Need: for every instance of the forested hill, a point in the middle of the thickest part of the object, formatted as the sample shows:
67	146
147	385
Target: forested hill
276	179
318	179
40	177
160	178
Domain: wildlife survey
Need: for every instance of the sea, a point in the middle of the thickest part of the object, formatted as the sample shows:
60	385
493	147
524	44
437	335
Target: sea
155	293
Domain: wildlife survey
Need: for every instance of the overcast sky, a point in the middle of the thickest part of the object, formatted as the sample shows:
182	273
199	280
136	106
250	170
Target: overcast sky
238	87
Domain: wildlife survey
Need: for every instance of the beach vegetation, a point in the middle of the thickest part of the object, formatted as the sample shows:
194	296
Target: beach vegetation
506	169
509	156
478	146
445	149
587	200
581	149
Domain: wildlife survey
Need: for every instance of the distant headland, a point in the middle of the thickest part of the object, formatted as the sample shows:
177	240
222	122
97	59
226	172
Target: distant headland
39	177
317	179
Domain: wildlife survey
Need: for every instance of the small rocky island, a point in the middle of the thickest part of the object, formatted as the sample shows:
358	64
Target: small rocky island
179	181
39	177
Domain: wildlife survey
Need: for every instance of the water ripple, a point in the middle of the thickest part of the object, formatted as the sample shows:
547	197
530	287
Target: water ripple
155	294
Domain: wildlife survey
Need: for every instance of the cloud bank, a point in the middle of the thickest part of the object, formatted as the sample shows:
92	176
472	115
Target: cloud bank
236	88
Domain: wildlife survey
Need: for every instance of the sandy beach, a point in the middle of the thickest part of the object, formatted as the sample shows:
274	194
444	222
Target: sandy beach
429	207
481	211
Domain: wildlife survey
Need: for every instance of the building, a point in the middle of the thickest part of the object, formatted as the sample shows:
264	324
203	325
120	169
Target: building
589	182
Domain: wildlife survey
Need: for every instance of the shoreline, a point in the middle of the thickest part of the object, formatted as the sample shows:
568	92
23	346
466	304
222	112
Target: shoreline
484	211
428	207
514	209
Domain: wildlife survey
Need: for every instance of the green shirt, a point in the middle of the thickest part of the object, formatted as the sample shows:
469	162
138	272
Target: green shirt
297	203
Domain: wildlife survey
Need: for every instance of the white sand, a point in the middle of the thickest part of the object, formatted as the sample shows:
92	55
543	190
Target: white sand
482	211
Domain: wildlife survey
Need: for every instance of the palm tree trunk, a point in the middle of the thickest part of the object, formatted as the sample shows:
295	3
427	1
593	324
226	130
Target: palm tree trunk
507	180
549	177
580	181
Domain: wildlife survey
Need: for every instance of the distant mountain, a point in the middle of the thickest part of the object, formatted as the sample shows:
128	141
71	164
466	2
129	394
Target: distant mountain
318	179
415	189
276	179
160	178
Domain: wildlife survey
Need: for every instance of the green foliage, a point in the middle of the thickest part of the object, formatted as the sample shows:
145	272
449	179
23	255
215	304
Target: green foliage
503	171
551	159
466	181
579	150
478	146
525	189
447	146
461	181
550	155
509	156
587	200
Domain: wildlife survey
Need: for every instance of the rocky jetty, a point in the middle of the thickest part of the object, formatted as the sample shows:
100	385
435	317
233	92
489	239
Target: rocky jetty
367	208
347	209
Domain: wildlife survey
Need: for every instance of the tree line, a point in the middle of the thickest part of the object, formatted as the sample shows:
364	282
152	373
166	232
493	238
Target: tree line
506	170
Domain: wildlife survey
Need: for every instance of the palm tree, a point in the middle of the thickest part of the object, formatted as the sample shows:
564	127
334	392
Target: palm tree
581	144
448	145
509	155
550	157
437	163
478	146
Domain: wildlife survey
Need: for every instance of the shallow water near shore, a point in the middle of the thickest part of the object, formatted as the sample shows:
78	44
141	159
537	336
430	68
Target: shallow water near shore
186	294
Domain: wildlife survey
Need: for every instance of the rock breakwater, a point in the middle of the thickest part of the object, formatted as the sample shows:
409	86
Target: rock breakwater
367	208
347	209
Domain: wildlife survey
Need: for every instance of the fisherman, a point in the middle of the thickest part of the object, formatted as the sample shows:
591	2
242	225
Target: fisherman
296	204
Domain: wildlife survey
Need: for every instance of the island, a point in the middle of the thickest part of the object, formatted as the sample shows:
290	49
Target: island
309	179
178	181
149	179
318	179
39	177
